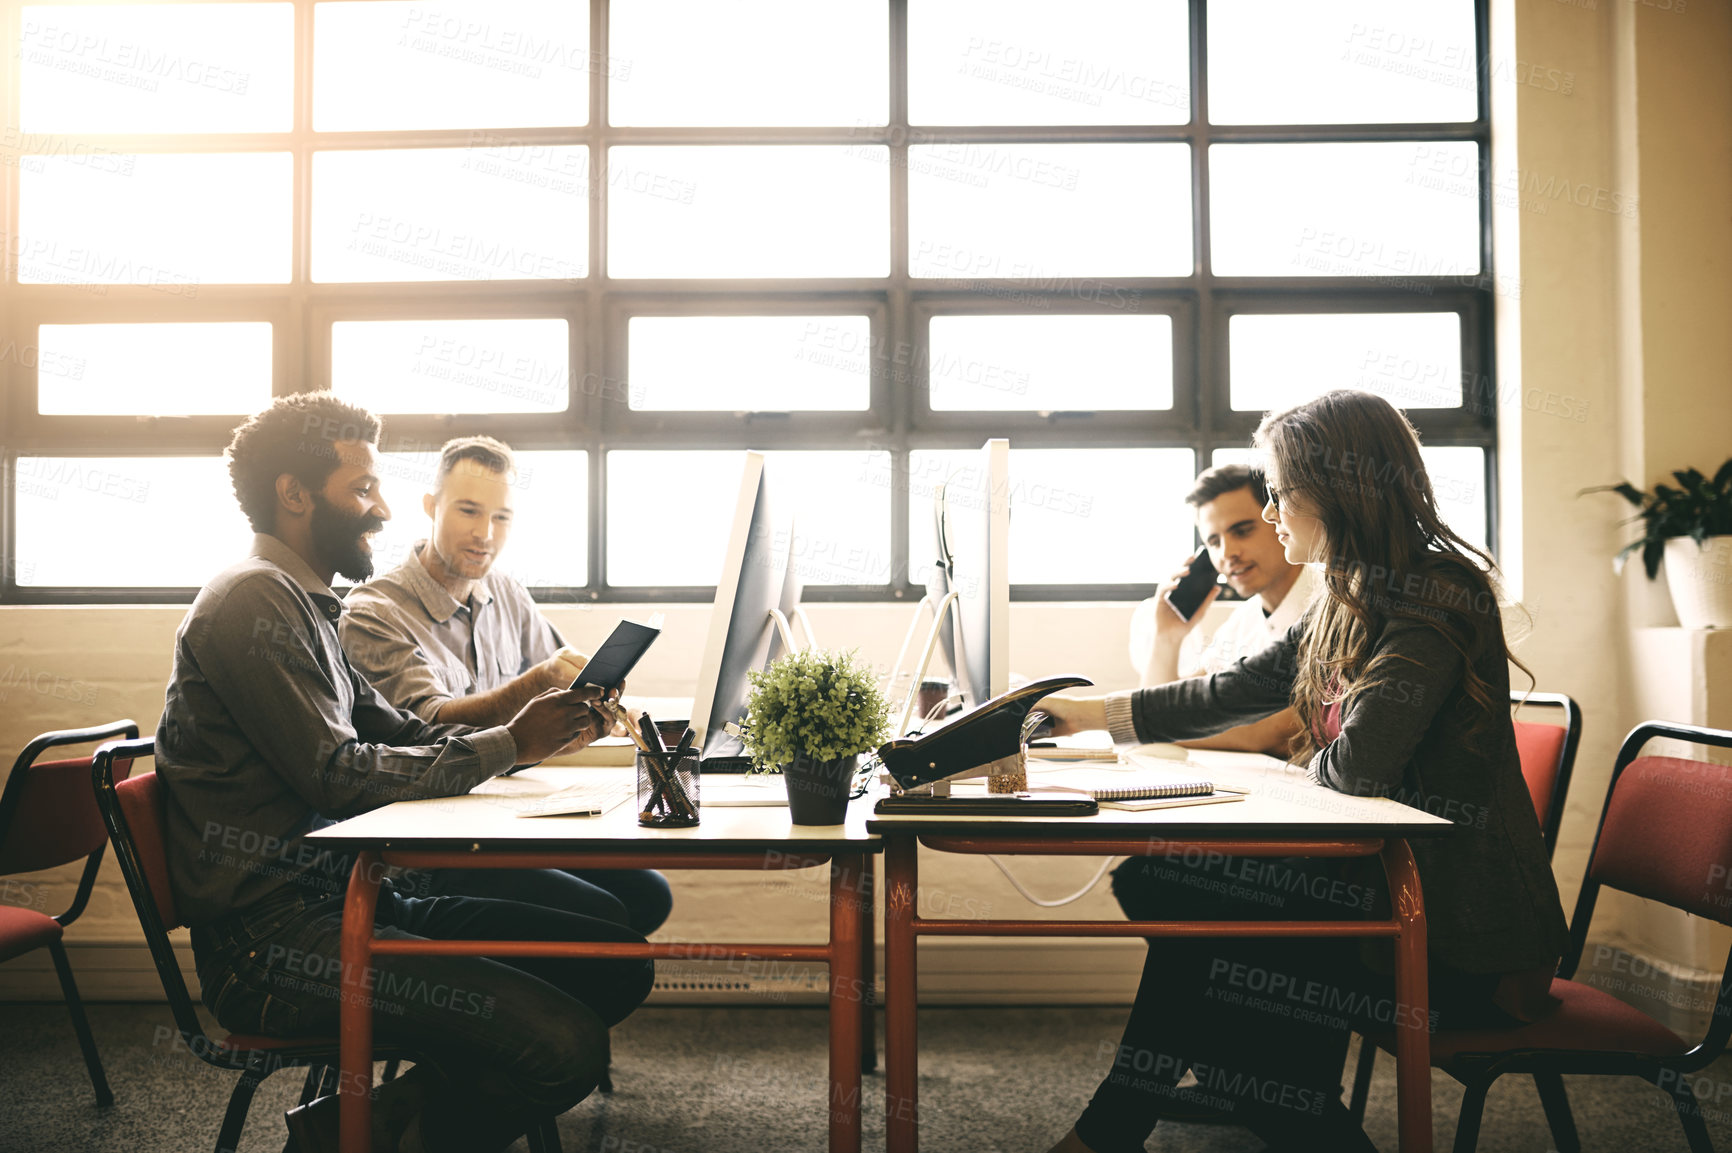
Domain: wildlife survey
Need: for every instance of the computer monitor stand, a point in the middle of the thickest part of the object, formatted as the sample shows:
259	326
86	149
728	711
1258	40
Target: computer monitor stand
945	607
800	618
786	631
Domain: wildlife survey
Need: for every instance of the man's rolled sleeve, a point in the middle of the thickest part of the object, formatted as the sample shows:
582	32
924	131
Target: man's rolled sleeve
394	664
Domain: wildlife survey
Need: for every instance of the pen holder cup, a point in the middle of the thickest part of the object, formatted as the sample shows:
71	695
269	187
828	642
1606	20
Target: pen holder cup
667	789
929	697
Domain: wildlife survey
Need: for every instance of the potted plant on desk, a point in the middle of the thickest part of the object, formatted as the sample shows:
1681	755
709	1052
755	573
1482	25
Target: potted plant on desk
1691	526
809	716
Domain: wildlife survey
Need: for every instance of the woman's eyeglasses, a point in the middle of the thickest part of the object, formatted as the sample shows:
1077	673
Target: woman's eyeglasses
1274	496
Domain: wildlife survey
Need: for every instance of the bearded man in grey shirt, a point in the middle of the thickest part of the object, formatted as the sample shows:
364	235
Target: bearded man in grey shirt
268	732
448	636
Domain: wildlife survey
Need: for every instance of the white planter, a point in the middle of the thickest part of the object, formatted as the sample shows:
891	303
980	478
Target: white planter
1701	581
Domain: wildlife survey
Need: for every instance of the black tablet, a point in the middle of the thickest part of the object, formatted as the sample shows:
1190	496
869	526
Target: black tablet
617	655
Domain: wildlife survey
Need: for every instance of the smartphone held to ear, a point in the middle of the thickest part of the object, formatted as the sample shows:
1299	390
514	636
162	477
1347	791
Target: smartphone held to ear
1188	595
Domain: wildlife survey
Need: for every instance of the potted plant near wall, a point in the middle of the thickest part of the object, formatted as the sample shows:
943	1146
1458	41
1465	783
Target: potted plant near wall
1691	527
809	716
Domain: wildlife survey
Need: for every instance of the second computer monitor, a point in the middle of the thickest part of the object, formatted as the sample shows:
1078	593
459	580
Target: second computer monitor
754	572
976	536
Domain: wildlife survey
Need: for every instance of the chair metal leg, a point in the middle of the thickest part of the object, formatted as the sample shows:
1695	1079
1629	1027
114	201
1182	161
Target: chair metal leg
1557	1106
311	1086
1690	1116
544	1138
235	1119
1472	1108
1362	1078
80	1025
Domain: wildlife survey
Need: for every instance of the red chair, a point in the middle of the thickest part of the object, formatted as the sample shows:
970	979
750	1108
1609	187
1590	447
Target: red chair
47	819
1665	835
133	811
1548	757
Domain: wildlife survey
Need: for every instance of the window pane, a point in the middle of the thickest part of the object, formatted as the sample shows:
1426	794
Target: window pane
549	541
750	363
153	369
498	212
1084	62
1245	455
841	514
1049	210
391	64
1050	363
1349	61
1458	481
157	68
1068	509
1344	210
447	366
1411	359
840	499
184	505
748	211
170	221
703	63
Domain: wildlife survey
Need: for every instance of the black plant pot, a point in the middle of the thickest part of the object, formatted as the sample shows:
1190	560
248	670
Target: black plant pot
818	790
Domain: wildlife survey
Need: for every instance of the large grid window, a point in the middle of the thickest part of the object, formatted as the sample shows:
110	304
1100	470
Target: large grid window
636	237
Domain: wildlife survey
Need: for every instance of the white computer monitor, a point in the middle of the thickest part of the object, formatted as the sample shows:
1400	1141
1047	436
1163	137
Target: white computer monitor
976	528
754	573
789	616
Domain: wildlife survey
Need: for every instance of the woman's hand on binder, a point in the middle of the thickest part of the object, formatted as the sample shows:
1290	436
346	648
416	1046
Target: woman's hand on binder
1074	714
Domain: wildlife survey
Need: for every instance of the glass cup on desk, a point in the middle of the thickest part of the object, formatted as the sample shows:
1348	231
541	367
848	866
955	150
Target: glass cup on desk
1009	774
667	789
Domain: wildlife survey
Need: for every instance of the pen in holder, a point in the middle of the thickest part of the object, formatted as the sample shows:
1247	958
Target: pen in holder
667	788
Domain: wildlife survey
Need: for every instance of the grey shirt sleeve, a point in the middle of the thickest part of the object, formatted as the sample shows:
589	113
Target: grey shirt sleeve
320	726
1416	668
391	660
1250	689
540	639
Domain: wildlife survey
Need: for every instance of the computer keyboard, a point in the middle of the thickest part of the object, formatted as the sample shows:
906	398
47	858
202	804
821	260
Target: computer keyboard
587	799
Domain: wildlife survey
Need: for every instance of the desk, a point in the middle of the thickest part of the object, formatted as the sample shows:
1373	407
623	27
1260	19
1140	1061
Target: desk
482	830
1285	815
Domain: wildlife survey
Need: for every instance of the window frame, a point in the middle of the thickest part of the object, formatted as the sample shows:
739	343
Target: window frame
597	309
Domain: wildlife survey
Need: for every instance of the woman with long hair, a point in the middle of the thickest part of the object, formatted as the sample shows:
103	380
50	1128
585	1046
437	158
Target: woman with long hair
1399	673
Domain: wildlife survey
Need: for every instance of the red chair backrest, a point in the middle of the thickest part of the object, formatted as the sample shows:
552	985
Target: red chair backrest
142	803
1667	835
55	819
1541	748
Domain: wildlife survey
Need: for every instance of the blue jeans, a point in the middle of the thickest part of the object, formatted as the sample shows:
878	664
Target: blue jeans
1262	1022
637	898
512	1042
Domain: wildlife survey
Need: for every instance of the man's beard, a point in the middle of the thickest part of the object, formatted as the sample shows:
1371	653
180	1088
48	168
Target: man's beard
338	538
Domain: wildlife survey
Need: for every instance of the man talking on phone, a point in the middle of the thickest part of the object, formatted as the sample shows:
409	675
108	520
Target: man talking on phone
451	638
1166	646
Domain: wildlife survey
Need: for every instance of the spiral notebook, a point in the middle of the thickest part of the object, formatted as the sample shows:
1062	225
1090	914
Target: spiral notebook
1139	791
